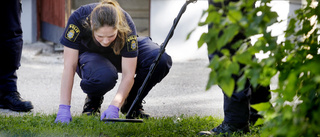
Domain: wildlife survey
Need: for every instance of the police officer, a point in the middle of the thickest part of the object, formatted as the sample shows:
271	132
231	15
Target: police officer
237	112
100	41
10	54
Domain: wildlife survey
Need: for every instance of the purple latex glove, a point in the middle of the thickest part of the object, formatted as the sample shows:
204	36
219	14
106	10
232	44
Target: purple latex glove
111	112
64	115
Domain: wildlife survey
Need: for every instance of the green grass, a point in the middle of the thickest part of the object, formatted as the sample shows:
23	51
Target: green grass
43	125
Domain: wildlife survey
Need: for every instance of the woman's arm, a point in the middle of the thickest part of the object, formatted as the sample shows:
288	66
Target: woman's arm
70	64
128	71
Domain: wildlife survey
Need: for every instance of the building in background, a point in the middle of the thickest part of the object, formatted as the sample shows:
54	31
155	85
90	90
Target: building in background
46	19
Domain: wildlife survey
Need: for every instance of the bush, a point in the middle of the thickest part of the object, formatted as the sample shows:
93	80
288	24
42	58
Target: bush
295	62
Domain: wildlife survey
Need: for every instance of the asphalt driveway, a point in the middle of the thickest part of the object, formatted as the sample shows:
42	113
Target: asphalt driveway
181	92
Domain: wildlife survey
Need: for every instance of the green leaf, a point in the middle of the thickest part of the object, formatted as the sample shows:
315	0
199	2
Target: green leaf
241	83
259	122
296	60
234	16
269	61
218	1
225	52
214	63
249	3
306	27
254	75
227	85
234	68
287	112
266	75
202	39
291	27
189	34
291	87
212	80
210	38
254	23
244	58
317	78
238	44
213	17
261	106
227	35
271	17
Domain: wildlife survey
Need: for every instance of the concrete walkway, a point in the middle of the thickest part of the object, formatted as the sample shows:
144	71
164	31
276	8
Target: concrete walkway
181	92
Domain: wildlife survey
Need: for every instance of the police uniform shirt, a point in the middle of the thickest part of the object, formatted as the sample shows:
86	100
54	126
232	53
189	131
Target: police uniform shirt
77	36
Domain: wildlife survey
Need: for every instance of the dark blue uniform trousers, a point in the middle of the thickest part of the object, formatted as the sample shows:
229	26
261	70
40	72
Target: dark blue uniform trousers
99	72
10	55
237	108
10	45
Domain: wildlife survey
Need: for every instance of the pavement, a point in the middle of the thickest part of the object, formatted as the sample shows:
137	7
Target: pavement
181	92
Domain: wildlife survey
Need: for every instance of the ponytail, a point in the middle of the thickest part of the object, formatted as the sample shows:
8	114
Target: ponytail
109	13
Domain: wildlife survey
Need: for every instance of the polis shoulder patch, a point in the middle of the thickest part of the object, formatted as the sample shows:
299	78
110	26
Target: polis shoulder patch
132	43
72	33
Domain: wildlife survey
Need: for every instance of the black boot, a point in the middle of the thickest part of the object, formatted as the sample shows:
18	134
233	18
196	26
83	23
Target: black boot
13	101
227	128
137	112
92	105
254	116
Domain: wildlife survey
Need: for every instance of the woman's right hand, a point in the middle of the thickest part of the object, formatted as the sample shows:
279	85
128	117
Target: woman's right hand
70	64
64	114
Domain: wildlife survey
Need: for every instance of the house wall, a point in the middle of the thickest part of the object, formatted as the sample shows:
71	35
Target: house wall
52	19
152	17
138	9
29	21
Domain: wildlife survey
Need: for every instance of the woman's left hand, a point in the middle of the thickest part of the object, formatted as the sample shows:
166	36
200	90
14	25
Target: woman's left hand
111	112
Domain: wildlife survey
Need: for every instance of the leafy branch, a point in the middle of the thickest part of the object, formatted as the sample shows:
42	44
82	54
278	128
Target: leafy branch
294	61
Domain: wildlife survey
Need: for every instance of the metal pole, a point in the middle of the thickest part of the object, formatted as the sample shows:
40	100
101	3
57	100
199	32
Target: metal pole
156	61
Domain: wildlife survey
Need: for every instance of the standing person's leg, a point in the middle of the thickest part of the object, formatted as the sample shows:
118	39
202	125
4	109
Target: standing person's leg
236	112
148	51
236	109
98	76
259	95
10	55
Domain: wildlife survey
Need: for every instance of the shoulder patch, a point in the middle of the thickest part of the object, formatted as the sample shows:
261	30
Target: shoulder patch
72	32
132	43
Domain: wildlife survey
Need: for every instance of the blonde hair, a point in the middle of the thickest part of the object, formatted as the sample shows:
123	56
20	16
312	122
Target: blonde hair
109	13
